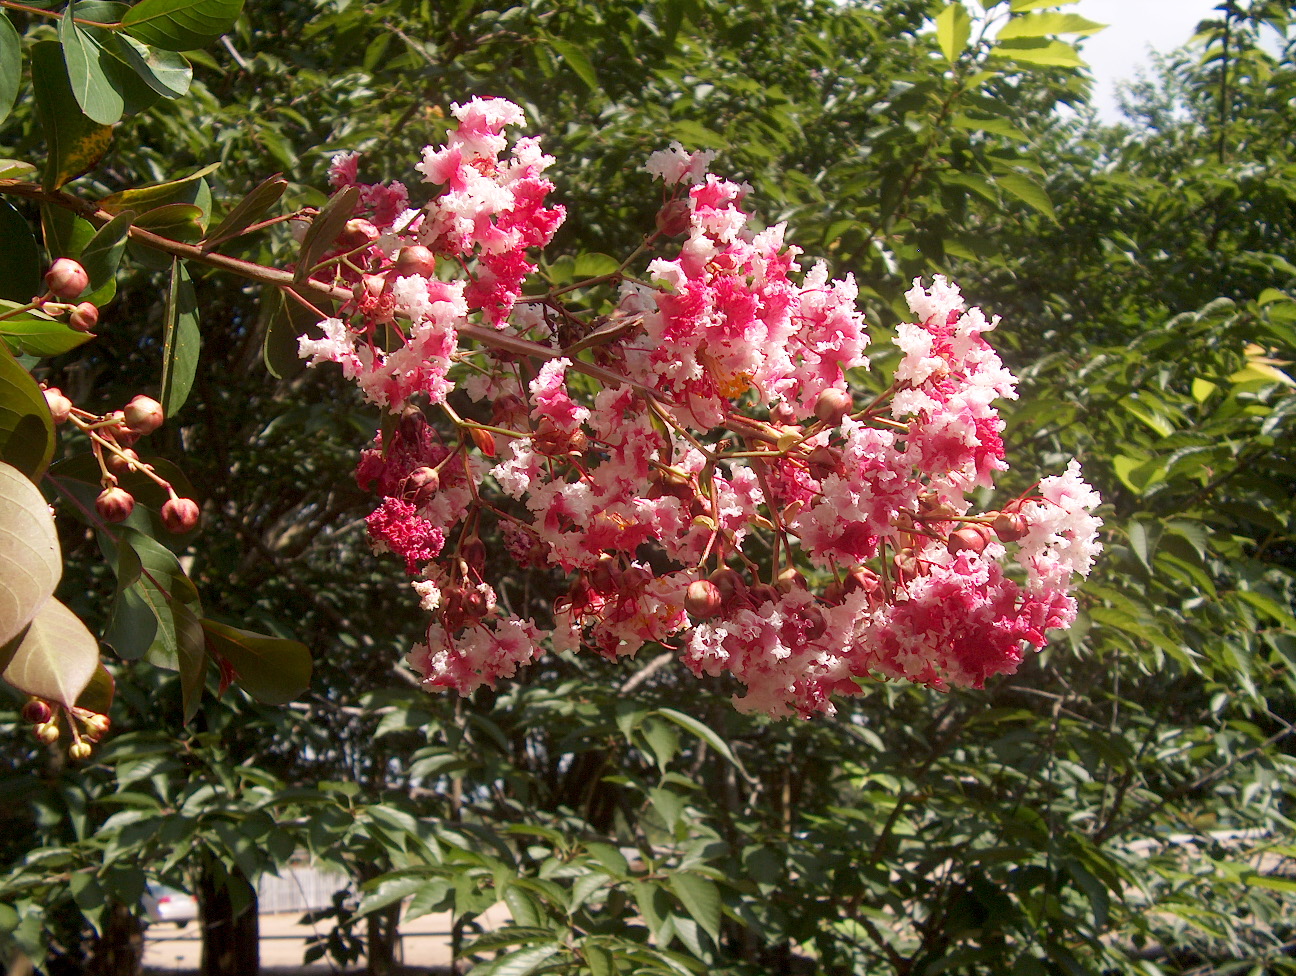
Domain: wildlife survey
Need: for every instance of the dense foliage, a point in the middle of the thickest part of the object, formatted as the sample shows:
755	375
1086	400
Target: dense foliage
1120	804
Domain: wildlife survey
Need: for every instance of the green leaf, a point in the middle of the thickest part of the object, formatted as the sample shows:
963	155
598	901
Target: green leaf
1050	54
93	89
165	72
30	561
701	899
10	65
57	658
953	28
324	229
526	961
600	961
286	321
180	340
66	234
1028	191
703	732
575	59
248	210
20	273
98	693
270	669
102	255
157	204
75	141
26	427
36	334
1041	25
181	25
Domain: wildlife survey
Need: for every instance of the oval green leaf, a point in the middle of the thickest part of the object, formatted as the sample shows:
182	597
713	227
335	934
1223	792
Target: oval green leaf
26	427
58	657
181	25
30	562
270	669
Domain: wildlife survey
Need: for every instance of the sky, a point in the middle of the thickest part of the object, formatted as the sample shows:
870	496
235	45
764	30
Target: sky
1134	26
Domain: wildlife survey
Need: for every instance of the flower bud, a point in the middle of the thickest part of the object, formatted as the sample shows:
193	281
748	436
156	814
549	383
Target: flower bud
67	279
415	260
484	440
37	712
673	218
783	413
358	232
143	415
84	317
824	461
119	431
180	515
702	600
96	725
115	504
48	733
369	286
605	575
861	578
122	464
1010	526
60	407
729	583
474	603
906	564
473	552
833	404
790	579
79	751
762	593
972	538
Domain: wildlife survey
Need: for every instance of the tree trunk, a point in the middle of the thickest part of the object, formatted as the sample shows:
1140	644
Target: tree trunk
383	933
231	930
120	950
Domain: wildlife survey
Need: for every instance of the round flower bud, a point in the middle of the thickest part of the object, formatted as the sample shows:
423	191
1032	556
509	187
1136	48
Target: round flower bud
703	599
84	317
115	504
37	712
833	404
605	575
67	279
60	407
729	583
415	260
369	286
47	733
673	218
96	725
423	484
972	538
122	464
861	578
144	415
358	232
119	432
79	751
180	515
1010	526
783	413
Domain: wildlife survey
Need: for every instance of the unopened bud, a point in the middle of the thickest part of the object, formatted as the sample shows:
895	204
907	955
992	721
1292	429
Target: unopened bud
824	461
96	726
143	415
369	286
47	733
415	260
729	582
815	623
673	218
860	578
115	504
783	413
180	515
37	712
79	751
703	600
484	440
605	575
424	482
119	431
972	538
762	593
60	407
473	552
1010	526
122	464
67	279
833	404
906	563
790	579
84	317
358	232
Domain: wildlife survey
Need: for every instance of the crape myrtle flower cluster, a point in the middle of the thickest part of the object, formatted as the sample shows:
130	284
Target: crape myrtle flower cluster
694	461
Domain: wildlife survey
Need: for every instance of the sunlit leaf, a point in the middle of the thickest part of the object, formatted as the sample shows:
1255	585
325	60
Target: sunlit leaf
58	657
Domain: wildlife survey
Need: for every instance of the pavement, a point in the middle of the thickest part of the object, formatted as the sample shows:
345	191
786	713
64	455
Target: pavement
173	949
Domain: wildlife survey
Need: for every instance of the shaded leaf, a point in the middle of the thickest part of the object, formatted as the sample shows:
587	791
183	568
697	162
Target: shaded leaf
76	142
20	273
270	669
180	340
10	65
324	229
181	25
26	427
248	210
700	898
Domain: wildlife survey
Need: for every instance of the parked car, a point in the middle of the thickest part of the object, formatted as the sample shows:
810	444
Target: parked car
165	904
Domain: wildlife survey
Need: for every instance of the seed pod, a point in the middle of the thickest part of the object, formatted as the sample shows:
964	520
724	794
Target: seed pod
731	585
357	233
115	504
702	599
180	515
60	407
84	317
861	578
790	579
143	415
833	404
67	279
815	623
824	461
762	593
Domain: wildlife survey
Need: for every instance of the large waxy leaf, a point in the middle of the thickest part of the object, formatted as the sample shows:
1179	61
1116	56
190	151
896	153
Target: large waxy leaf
20	272
180	340
30	562
248	210
10	65
26	427
89	71
58	657
181	25
270	669
35	334
76	142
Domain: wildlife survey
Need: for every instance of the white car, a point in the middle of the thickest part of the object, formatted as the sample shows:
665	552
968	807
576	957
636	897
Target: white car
165	904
